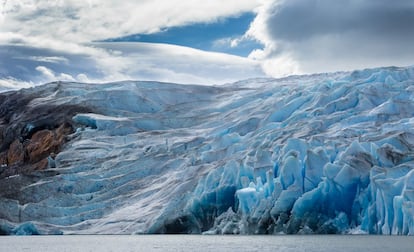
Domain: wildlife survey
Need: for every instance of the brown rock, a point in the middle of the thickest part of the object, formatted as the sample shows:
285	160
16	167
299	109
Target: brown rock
41	145
3	158
16	153
63	131
32	154
41	165
47	142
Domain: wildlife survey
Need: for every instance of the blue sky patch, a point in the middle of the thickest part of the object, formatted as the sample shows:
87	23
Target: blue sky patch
221	36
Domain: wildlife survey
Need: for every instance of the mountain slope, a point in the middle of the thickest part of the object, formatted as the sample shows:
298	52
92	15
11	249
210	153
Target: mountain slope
328	153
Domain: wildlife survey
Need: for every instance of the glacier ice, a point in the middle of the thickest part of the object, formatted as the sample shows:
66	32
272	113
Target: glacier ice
326	153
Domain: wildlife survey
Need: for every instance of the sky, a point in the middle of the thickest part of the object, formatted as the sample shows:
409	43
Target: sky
196	41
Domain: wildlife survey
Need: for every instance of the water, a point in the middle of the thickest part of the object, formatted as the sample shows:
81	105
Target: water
200	243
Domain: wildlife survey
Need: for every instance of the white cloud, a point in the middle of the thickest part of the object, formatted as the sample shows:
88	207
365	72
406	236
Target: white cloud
49	75
299	36
12	83
46	72
47	59
84	21
179	64
83	78
306	36
229	42
105	62
49	40
222	42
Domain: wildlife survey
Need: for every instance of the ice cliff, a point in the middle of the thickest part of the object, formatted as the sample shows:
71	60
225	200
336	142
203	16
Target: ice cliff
327	153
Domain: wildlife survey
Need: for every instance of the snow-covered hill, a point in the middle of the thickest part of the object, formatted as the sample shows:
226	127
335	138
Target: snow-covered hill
328	153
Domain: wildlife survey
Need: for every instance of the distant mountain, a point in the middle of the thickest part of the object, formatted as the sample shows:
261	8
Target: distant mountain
326	153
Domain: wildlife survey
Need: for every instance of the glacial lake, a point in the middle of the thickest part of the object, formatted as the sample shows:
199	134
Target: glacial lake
199	243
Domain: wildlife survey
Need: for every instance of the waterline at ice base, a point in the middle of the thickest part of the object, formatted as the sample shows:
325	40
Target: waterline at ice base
315	154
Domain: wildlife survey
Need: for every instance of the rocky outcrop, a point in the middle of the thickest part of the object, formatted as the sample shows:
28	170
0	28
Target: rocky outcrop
35	153
32	132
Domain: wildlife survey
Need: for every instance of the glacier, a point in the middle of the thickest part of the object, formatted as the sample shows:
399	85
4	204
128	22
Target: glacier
312	154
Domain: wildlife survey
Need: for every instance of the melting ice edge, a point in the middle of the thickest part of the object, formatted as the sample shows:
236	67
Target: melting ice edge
327	153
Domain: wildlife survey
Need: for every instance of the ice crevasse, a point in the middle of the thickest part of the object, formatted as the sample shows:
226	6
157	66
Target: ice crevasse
326	153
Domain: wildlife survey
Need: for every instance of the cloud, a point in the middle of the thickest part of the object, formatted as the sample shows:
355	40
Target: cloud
20	60
46	72
50	59
7	84
47	40
85	21
172	63
299	36
106	62
324	35
50	75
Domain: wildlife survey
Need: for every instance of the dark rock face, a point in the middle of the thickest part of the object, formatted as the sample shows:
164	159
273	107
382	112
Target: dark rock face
31	131
33	153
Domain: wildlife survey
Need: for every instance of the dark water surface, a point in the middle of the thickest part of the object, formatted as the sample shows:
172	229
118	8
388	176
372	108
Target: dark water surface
201	243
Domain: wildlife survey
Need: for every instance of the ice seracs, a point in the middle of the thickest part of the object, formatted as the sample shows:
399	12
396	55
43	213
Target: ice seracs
328	153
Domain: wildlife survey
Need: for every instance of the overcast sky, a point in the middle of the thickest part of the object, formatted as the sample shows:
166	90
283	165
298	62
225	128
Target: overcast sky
325	35
198	41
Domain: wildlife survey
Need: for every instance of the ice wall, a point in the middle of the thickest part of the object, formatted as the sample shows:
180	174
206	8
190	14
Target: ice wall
328	153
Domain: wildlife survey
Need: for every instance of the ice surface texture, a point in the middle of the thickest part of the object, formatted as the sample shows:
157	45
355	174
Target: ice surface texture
328	153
